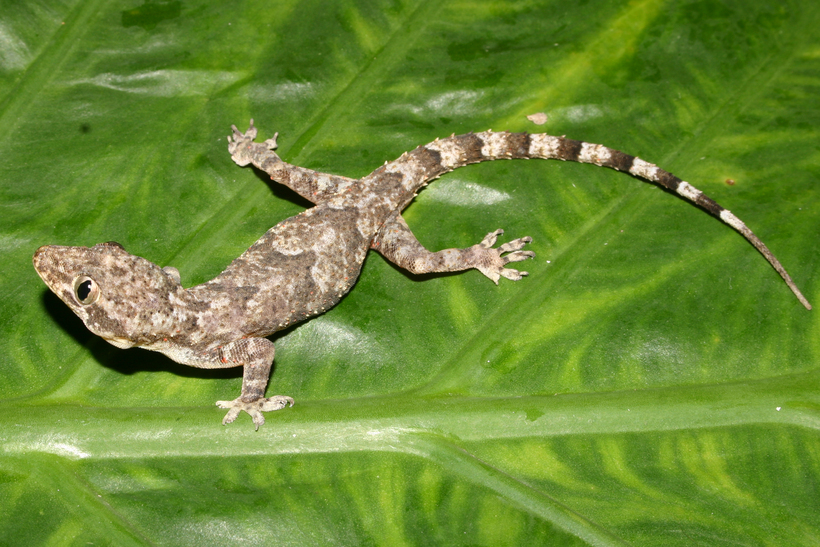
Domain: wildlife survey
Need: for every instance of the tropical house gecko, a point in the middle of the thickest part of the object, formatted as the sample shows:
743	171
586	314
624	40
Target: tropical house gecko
305	264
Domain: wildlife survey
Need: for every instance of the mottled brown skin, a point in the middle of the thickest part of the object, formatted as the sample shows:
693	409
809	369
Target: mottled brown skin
305	264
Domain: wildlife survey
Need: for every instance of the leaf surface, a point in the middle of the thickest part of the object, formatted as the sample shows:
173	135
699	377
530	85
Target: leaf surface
652	382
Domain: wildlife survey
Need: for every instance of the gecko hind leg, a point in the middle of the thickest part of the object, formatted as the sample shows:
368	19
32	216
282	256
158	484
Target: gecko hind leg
397	243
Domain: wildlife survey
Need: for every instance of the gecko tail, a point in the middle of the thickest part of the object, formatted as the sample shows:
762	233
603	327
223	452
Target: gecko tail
547	146
730	219
653	173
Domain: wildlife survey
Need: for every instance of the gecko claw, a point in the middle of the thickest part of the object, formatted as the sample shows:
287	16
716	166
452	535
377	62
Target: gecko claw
253	408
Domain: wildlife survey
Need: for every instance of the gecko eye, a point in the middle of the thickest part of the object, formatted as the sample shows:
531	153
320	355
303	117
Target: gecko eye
86	290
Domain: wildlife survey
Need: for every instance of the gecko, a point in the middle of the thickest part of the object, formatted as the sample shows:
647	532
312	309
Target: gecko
304	265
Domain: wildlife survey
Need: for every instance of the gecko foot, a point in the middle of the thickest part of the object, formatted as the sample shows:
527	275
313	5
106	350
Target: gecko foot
241	145
254	408
490	261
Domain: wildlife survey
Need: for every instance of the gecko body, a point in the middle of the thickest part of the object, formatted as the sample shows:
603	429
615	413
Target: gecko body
305	264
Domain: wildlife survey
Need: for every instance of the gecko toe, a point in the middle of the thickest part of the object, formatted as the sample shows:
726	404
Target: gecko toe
490	239
518	256
277	402
515	244
513	275
230	416
271	143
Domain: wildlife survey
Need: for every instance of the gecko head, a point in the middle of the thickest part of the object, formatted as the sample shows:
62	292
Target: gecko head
120	297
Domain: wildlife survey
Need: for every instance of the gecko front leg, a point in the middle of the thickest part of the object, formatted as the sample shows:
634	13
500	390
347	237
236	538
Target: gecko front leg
256	357
397	243
311	185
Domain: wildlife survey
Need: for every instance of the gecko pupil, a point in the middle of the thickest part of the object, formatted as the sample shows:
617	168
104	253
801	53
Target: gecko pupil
84	290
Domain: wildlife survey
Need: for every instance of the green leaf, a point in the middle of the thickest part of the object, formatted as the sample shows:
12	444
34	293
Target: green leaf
652	382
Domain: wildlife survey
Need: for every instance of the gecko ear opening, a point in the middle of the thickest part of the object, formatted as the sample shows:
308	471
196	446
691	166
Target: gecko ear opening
173	273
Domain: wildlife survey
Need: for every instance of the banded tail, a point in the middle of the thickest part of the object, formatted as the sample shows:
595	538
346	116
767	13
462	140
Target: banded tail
447	154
